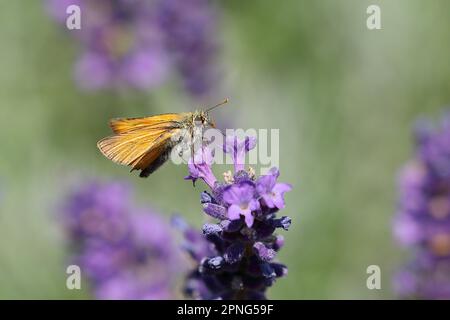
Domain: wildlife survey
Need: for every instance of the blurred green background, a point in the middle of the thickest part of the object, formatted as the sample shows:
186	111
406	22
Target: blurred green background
344	98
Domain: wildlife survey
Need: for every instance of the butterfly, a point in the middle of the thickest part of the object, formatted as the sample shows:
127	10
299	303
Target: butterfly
146	143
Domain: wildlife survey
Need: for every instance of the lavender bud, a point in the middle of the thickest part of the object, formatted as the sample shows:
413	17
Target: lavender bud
283	222
234	253
264	253
215	210
210	229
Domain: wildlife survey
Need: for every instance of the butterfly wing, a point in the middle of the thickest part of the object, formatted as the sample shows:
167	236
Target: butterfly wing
160	121
142	143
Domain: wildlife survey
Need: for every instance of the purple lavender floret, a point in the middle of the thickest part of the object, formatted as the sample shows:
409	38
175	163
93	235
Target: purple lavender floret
235	256
422	222
125	252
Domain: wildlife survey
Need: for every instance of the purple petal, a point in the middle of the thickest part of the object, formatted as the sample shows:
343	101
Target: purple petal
249	218
278	201
268	200
231	195
265	184
282	188
274	172
234	212
254	205
241	193
278	191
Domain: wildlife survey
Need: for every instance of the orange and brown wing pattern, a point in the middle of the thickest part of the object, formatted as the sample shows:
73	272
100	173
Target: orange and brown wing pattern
160	121
139	142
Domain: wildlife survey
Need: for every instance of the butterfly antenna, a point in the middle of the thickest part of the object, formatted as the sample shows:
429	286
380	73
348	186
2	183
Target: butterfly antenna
218	105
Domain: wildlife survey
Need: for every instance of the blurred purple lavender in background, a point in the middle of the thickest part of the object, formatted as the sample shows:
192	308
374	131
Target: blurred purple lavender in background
124	252
235	256
190	35
120	42
135	43
423	218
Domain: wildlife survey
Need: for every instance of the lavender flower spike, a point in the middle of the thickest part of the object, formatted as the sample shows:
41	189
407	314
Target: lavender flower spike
422	222
235	257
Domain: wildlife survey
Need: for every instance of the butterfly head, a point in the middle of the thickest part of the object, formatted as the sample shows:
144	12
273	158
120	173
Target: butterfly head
203	115
204	119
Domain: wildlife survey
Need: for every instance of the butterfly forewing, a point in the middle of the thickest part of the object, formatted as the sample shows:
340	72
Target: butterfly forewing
161	121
